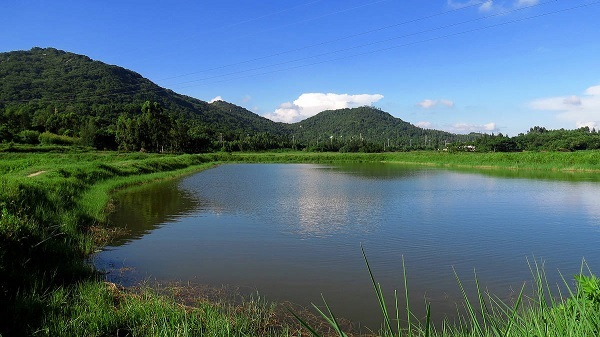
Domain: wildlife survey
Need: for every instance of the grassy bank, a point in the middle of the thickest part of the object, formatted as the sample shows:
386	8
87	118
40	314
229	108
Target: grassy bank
583	161
52	216
53	207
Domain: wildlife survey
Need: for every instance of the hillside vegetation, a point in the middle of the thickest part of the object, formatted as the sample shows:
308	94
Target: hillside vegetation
52	216
48	96
48	90
45	90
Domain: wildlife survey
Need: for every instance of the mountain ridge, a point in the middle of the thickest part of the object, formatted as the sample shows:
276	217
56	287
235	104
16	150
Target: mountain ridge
58	91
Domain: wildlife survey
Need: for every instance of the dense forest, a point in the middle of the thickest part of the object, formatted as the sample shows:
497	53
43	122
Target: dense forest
536	139
48	96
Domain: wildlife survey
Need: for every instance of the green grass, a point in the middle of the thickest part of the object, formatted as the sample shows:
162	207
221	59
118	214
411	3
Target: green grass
98	309
575	311
53	204
538	161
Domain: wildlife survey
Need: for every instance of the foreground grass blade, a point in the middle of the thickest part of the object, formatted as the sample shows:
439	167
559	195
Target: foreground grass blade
304	324
474	321
428	321
515	313
379	293
408	314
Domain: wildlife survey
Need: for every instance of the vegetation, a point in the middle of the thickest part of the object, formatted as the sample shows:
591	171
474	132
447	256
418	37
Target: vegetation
538	139
52	208
47	91
55	106
540	313
48	212
50	96
367	129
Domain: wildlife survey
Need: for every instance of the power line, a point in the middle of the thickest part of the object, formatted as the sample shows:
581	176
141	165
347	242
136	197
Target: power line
371	43
328	41
246	21
301	48
361	54
237	37
416	42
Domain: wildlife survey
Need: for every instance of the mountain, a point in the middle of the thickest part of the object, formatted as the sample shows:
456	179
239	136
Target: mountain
43	77
368	124
45	91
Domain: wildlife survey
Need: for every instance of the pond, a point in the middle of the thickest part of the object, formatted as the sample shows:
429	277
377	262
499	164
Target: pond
293	232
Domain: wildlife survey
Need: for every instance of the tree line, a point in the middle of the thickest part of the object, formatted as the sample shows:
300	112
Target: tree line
152	128
536	139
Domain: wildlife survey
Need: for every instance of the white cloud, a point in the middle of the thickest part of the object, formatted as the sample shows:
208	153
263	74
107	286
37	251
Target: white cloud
310	104
461	4
594	91
526	3
424	125
583	110
426	104
430	103
490	5
461	128
487	6
468	128
447	103
218	98
591	125
483	6
572	100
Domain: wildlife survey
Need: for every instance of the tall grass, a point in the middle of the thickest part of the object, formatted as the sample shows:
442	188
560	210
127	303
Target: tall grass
101	309
49	202
565	311
581	161
53	205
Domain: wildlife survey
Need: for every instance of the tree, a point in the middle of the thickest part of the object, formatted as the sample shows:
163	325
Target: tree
158	125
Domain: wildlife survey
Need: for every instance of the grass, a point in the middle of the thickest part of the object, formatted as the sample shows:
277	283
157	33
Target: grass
582	161
100	309
53	205
575	311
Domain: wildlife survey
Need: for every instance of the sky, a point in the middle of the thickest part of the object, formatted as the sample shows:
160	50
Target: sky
500	66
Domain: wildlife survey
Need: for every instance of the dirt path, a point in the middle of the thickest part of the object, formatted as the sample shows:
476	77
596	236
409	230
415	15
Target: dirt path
36	173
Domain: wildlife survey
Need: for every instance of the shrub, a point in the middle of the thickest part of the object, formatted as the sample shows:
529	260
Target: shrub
28	137
48	138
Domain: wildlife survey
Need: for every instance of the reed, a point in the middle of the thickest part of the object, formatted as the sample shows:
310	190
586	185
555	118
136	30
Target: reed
567	311
53	202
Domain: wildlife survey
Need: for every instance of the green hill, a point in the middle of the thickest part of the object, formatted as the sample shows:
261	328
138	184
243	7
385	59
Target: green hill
45	89
370	125
54	96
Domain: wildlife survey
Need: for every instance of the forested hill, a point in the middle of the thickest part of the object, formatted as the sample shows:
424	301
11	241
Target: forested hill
371	125
46	81
47	93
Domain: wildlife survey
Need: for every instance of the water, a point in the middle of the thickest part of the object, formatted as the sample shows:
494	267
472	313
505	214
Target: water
293	232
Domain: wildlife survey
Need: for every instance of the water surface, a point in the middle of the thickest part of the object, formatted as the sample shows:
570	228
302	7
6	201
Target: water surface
294	231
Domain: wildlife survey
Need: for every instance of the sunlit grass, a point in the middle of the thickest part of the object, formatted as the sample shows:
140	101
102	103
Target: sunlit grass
52	215
564	311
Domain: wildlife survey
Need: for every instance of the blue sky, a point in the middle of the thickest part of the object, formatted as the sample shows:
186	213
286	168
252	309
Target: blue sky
454	65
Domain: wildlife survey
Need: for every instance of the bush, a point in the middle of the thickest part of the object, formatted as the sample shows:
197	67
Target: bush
48	138
28	137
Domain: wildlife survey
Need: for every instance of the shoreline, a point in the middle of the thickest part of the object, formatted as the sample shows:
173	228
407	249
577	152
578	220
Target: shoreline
75	192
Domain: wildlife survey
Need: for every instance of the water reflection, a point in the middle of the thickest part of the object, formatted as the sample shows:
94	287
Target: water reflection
309	200
377	171
141	209
548	175
293	231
